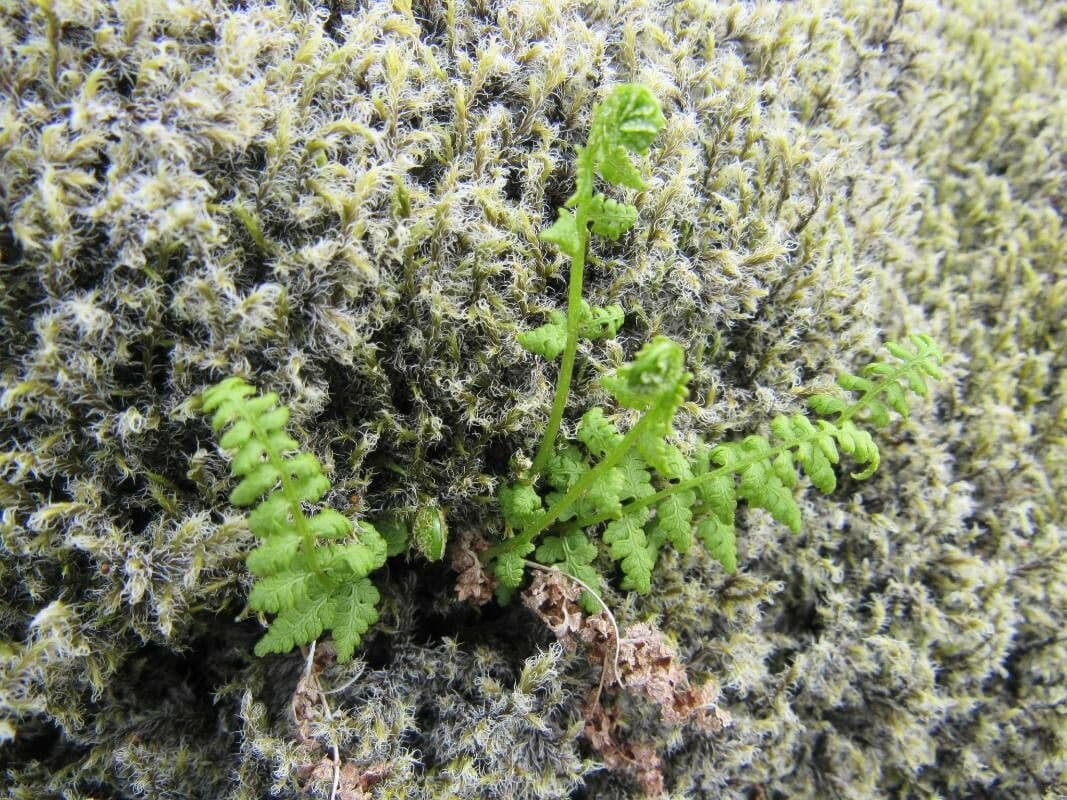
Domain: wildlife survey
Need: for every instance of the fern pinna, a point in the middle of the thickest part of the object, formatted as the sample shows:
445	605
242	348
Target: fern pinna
639	492
311	568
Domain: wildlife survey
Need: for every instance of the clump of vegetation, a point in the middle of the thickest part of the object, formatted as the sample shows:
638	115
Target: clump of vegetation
643	489
312	568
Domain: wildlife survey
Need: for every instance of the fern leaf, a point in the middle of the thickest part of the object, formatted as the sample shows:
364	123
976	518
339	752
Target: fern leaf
611	218
329	524
311	489
354	611
605	495
274	554
297	576
254	485
271	516
826	404
359	558
674	520
615	167
248	457
817	467
600	323
720	495
565	468
549	340
509	567
573	553
519	503
628	545
283	589
784	469
635	481
720	541
657	372
598	433
298	624
662	456
563	233
633	117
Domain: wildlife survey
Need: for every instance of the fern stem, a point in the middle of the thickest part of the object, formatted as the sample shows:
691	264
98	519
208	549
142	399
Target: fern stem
584	169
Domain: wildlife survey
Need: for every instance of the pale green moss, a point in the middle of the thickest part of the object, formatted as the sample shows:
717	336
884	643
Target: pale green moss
344	203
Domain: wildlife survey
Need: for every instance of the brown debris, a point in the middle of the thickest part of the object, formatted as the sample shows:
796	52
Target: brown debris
649	666
554	598
473	583
638	759
642	661
353	782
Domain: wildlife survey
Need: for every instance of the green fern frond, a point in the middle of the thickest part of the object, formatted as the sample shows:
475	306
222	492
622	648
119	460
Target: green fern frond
312	569
645	490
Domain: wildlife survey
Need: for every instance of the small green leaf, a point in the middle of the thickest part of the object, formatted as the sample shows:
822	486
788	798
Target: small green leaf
817	466
615	167
720	495
281	590
600	323
565	468
429	531
784	469
311	489
353	614
854	383
238	434
358	558
271	516
564	234
611	218
632	116
826	404
274	554
549	340
627	544
720	541
674	519
519	503
598	433
297	624
605	494
510	569
329	524
254	485
636	481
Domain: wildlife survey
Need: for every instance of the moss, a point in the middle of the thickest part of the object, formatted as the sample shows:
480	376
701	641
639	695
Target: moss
343	201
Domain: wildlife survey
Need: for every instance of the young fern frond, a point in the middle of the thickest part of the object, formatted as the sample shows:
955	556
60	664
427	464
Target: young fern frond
624	124
312	568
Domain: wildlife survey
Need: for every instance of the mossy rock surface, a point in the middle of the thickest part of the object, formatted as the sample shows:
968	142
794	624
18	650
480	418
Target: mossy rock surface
341	203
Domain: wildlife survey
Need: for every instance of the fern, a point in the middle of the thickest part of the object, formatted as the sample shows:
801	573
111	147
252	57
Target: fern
311	569
624	124
638	492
